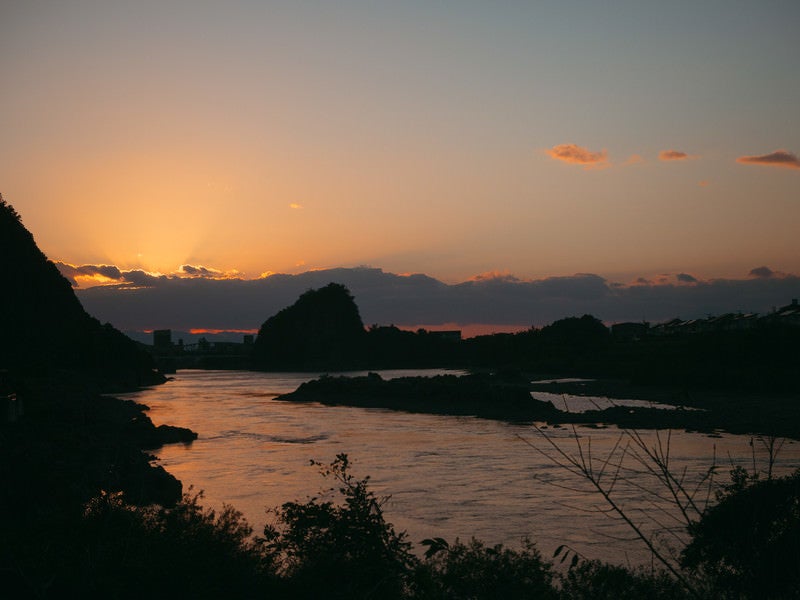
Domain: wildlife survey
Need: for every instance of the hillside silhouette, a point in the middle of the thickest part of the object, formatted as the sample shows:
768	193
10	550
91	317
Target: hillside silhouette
62	443
44	326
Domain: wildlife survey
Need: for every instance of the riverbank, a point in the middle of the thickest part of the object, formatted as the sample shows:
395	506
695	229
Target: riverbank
64	448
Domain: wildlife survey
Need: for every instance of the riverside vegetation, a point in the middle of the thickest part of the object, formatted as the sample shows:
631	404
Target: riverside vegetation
339	545
85	512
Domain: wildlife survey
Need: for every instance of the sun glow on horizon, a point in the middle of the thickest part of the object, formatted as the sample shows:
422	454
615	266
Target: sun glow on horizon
275	141
200	331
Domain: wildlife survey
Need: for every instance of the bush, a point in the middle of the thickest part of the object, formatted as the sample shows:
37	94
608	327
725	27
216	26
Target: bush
474	571
346	550
594	580
124	551
748	545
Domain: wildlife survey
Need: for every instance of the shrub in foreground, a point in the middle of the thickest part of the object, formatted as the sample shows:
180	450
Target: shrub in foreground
474	571
595	580
348	550
748	544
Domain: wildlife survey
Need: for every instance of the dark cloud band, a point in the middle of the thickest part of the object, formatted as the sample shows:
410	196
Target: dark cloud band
384	298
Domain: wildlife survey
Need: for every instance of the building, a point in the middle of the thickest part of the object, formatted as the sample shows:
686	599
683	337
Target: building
162	339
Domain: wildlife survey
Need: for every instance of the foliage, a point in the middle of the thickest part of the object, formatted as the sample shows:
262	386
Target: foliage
749	543
151	551
474	571
594	580
745	546
342	550
339	545
113	549
676	502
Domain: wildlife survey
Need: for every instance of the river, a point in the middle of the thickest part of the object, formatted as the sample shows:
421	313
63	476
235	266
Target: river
447	476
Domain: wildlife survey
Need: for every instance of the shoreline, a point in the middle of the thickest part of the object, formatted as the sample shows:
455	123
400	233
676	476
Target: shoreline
493	397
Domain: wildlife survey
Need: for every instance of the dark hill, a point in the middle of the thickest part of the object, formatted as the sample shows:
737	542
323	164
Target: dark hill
322	330
43	326
62	443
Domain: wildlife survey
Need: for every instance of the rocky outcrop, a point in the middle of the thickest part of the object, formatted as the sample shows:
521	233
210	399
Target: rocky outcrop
322	330
478	395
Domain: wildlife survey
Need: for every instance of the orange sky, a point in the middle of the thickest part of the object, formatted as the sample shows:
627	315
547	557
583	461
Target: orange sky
451	140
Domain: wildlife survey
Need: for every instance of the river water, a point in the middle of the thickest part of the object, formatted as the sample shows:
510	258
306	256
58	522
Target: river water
447	476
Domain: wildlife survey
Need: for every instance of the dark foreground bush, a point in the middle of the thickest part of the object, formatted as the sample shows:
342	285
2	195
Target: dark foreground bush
340	546
474	571
122	551
327	550
594	580
748	544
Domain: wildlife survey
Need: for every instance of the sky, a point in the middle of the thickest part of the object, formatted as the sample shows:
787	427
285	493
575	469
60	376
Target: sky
646	143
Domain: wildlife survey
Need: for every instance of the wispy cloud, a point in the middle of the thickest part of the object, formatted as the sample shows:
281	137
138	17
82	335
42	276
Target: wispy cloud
779	158
634	159
577	155
674	155
296	206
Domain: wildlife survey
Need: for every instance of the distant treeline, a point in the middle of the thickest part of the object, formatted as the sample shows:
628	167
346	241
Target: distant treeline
323	331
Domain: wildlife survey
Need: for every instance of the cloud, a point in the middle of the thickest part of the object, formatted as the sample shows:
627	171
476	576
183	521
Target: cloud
296	206
84	276
779	158
763	272
674	155
88	273
206	272
198	271
574	154
141	278
494	276
159	302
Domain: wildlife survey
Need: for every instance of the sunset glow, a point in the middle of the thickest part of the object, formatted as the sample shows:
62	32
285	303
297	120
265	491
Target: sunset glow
216	331
239	141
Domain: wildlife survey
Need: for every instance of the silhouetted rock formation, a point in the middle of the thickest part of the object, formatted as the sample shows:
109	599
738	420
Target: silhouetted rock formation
508	398
479	395
321	331
44	326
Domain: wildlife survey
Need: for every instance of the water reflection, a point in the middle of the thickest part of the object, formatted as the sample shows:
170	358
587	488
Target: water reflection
578	404
447	476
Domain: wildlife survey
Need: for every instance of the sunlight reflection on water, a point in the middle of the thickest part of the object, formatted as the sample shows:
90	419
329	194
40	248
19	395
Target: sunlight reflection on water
448	476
